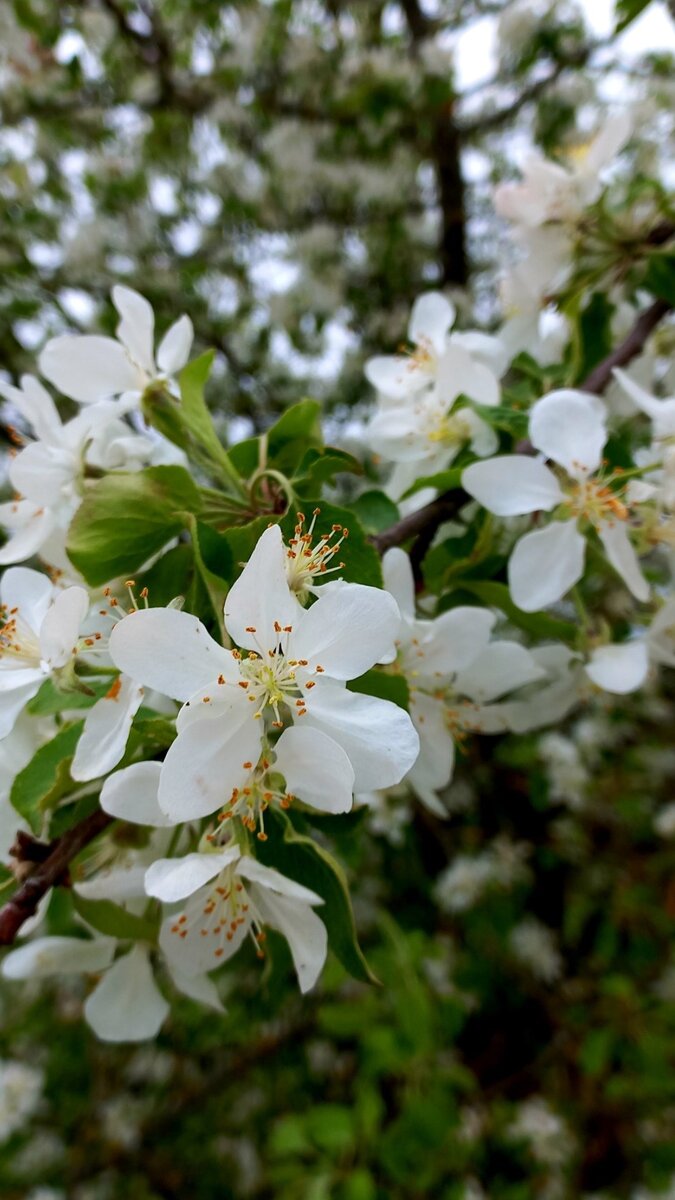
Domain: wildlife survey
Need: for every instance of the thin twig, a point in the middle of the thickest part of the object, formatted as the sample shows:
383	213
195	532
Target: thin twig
52	871
629	348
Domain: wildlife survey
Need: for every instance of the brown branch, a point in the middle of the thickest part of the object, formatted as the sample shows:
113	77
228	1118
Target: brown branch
423	521
631	346
52	871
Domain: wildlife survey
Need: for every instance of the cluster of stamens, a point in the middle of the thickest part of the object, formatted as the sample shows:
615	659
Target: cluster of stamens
226	909
250	802
17	639
595	501
304	561
269	677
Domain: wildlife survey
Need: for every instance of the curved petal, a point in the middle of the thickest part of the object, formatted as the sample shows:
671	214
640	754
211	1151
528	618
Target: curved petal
47	956
619	669
454	640
199	939
315	768
622	556
378	737
29	591
545	565
347	630
127	1005
131	795
106	730
172	879
206	762
304	931
431	317
459	375
174	348
433	769
43	474
197	987
570	428
502	667
13	699
61	627
136	330
261	596
29	526
88	368
512	485
397	376
398	579
36	406
274	881
170	651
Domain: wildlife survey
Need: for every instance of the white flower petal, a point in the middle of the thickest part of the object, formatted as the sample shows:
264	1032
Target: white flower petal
106	730
47	956
170	651
15	694
197	987
459	375
619	669
136	330
398	579
30	527
502	667
121	884
397	376
454	640
174	348
315	768
172	879
570	428
378	737
131	795
431	317
433	768
347	630
274	881
88	368
206	762
512	485
43	474
622	556
127	1005
304	931
198	939
61	627
545	564
261	596
36	406
29	591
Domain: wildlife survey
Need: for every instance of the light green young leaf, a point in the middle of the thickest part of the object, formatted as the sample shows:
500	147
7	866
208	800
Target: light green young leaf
125	519
46	778
114	921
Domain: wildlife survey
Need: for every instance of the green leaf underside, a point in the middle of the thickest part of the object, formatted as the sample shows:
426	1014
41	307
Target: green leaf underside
46	778
126	518
301	859
113	920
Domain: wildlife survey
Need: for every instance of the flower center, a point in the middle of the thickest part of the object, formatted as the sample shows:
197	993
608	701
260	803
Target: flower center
595	502
19	645
449	430
304	560
218	912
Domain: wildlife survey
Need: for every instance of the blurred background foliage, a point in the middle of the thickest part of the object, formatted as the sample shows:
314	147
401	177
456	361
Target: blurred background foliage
292	174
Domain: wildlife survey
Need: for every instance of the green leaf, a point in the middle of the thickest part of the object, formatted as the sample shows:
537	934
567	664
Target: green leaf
46	778
362	562
594	333
660	276
444	481
511	420
114	921
321	466
285	444
375	511
384	686
497	595
170	576
301	859
626	11
50	699
126	518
